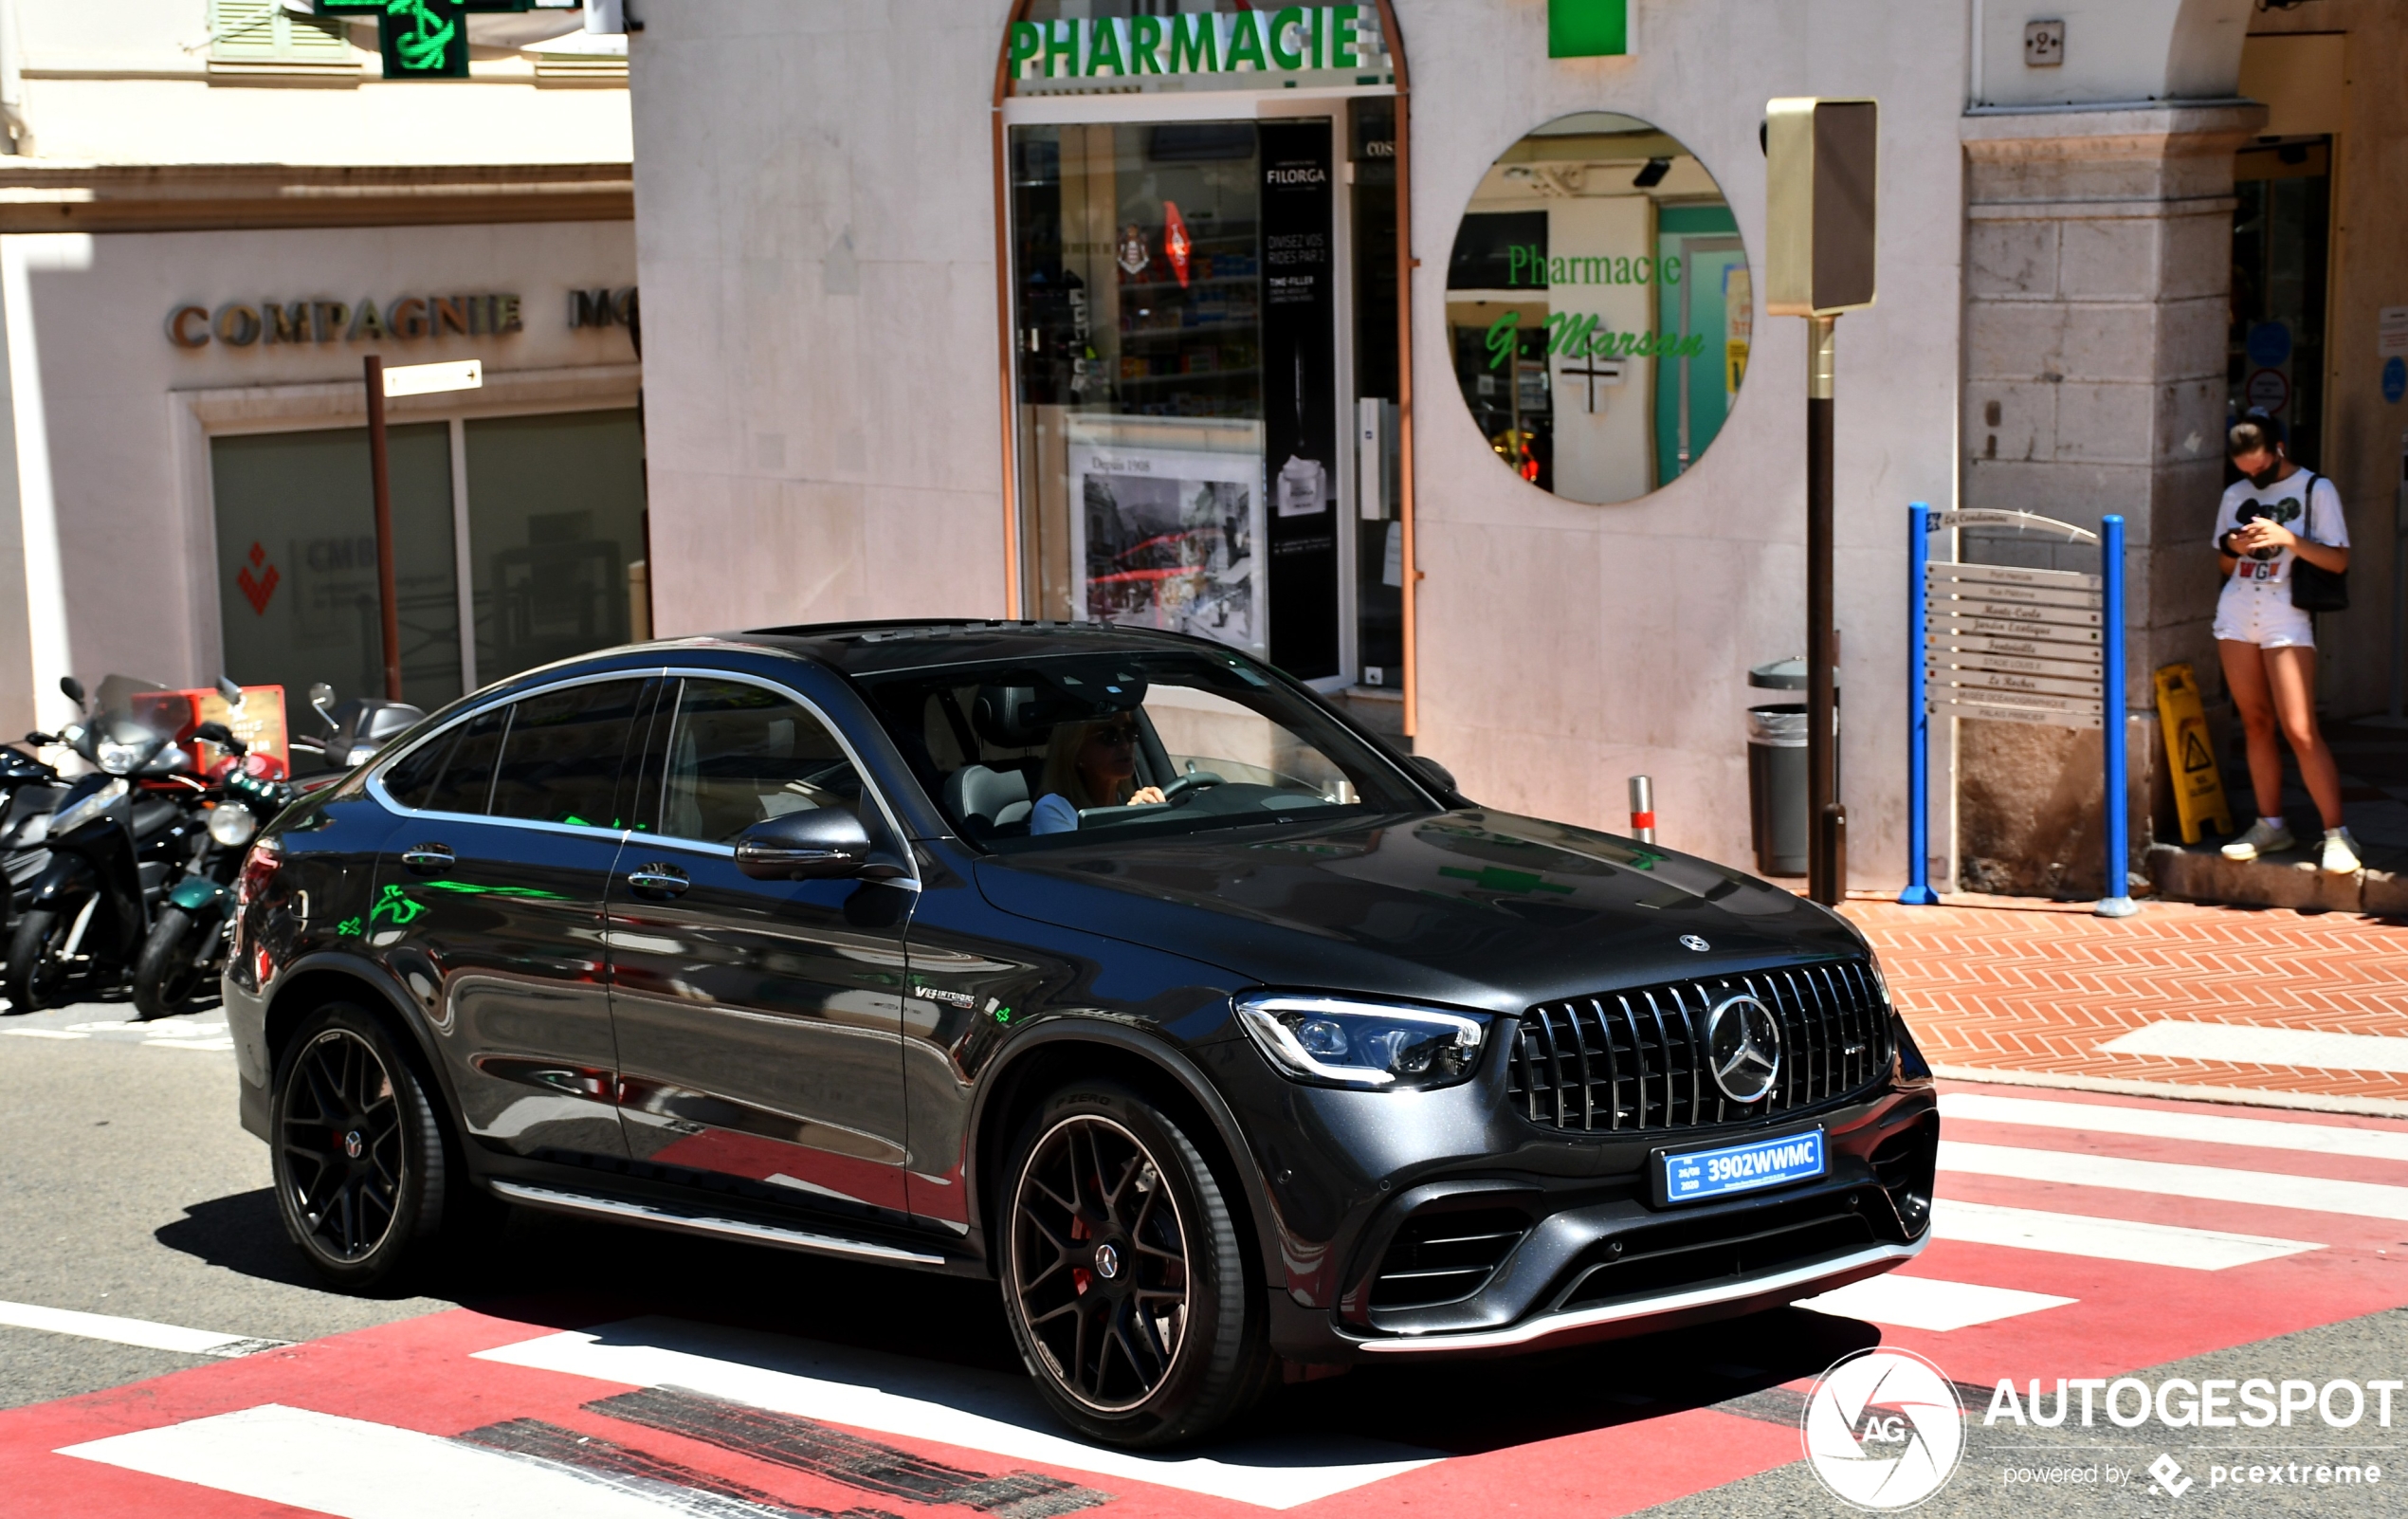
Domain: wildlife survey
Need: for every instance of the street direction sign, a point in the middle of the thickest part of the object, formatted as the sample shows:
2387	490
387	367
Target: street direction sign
2077	717
2015	626
2026	654
2007	681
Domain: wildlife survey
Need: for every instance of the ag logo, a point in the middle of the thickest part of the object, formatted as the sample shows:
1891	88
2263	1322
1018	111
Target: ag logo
1883	1429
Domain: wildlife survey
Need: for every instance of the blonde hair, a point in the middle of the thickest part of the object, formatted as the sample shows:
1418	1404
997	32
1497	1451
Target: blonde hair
1062	776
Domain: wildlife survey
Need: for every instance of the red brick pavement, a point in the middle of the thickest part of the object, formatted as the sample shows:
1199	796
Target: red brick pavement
2009	985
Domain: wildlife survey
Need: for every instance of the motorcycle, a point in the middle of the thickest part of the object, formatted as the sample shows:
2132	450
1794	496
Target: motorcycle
186	947
354	729
118	838
29	792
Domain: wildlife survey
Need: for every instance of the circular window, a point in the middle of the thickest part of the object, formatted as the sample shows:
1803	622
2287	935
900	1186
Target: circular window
1600	307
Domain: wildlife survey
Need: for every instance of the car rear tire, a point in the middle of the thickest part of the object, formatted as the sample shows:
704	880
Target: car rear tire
356	1148
1124	1273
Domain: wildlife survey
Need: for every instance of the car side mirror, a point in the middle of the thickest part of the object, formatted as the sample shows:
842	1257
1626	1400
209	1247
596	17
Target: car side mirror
820	844
1432	771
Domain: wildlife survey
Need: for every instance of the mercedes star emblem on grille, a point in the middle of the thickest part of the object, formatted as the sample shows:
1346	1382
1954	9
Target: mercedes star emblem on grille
1743	1046
1692	942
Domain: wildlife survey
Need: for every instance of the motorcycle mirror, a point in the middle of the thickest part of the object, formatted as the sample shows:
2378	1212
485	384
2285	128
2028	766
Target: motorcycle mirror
73	688
219	734
322	698
233	692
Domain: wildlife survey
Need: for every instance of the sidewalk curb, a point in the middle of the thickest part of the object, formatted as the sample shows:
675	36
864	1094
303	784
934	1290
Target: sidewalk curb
2303	1101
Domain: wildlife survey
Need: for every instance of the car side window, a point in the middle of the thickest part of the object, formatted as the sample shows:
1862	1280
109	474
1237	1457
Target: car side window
560	763
739	755
465	783
413	778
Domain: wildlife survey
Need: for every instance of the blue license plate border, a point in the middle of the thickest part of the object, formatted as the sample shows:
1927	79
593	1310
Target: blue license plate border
1661	1163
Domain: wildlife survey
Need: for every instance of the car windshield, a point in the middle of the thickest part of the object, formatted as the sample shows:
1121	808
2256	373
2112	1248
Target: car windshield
1071	748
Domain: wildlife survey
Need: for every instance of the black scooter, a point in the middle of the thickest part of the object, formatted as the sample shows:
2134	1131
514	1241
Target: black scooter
185	950
354	729
116	842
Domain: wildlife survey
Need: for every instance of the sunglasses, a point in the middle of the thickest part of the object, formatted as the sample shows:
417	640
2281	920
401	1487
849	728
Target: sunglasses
1116	733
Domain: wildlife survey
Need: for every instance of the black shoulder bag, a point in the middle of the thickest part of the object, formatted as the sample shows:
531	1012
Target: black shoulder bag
2313	587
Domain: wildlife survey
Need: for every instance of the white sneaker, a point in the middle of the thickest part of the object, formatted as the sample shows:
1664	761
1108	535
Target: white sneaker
2265	836
2340	852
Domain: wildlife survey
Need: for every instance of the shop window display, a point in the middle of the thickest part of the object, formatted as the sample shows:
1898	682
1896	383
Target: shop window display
1599	308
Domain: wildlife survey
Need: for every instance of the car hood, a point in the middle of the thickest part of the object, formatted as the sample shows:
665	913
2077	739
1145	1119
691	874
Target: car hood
1474	908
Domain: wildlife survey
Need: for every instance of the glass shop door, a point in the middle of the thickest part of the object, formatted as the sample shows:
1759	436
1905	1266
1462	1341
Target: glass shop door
1184	460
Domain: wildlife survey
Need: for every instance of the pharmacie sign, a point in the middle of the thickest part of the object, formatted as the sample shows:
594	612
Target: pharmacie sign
1287	40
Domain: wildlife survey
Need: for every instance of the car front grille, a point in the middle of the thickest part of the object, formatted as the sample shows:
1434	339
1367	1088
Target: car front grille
1635	1061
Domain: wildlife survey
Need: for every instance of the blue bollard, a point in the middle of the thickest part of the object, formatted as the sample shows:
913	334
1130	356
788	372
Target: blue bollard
1918	892
2118	901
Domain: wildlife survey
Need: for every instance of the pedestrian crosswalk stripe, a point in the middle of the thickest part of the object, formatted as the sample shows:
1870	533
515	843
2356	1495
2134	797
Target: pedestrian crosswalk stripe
951	1406
131	1331
2070	1234
1926	1303
2165	1123
2256	1045
356	1469
2264	1189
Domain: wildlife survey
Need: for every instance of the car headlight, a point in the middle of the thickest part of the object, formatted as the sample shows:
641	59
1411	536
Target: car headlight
233	826
1334	1042
75	814
119	759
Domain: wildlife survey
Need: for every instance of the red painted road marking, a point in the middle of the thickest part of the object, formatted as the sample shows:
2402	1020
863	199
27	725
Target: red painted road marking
428	1375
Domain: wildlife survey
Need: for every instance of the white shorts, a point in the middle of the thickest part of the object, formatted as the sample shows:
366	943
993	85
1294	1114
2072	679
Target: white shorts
2260	612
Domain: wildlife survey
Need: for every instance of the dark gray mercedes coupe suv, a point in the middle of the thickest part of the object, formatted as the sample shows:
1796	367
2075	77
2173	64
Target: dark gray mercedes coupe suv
1110	963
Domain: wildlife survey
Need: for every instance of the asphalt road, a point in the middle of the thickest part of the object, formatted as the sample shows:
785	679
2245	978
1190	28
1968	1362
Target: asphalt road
128	1188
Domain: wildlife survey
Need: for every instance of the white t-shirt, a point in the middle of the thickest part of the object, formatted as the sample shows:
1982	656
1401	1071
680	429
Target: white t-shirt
2307	495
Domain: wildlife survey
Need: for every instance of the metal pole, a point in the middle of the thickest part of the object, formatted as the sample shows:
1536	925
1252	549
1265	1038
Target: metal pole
1643	808
2394	717
380	468
2118	901
1918	892
1827	846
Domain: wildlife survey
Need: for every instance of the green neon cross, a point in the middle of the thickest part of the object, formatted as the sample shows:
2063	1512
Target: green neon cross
422	39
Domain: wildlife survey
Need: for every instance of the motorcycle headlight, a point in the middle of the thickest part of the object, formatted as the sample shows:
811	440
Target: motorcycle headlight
75	814
1334	1042
233	826
360	754
119	759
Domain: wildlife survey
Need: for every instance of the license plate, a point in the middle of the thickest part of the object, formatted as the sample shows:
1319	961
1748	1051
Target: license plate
1767	1162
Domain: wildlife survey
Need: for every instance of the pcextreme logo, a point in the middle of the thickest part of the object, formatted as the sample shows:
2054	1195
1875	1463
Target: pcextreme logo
1883	1429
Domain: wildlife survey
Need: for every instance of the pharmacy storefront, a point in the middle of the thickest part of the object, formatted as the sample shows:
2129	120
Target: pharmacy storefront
1211	345
194	467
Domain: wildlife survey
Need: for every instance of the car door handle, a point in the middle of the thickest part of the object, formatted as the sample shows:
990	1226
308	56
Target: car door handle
658	881
428	859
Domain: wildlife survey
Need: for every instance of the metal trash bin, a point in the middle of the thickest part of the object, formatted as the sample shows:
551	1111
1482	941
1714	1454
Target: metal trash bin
1776	786
1776	770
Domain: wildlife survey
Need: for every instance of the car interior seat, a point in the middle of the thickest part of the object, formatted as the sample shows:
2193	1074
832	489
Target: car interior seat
986	800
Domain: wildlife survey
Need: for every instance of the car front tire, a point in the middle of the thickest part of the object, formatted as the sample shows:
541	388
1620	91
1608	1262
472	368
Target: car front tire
1124	1273
357	1149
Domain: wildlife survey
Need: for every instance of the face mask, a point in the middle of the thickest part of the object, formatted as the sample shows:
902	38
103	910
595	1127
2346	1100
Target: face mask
2266	476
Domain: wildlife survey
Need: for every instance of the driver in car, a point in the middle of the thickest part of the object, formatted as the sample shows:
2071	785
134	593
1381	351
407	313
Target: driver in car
1089	764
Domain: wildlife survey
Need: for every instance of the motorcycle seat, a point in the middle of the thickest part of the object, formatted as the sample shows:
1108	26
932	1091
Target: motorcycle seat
152	819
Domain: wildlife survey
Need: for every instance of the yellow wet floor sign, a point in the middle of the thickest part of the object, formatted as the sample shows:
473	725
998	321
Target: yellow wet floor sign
2198	789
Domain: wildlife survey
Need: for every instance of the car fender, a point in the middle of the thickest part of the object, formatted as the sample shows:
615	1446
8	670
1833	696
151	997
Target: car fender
198	894
1075	1029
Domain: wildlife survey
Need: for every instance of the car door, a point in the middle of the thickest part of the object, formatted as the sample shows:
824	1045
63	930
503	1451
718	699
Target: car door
490	901
758	1022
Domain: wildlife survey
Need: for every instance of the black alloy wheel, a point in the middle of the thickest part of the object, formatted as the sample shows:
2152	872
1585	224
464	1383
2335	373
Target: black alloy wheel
357	1148
1124	1276
173	962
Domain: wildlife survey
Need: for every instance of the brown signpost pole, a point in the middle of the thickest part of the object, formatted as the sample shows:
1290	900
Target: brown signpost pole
380	468
1819	193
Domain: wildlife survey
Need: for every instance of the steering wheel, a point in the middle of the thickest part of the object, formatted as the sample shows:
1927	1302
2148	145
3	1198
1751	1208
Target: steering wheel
1193	781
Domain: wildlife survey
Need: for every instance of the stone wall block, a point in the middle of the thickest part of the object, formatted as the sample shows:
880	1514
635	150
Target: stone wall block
2190	440
2191	339
2066	490
2014	340
2109	342
2111	258
2199	251
2011	258
2026	428
2106	423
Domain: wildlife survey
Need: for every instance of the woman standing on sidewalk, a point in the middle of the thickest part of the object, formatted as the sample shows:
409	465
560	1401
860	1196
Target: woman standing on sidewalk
2276	517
